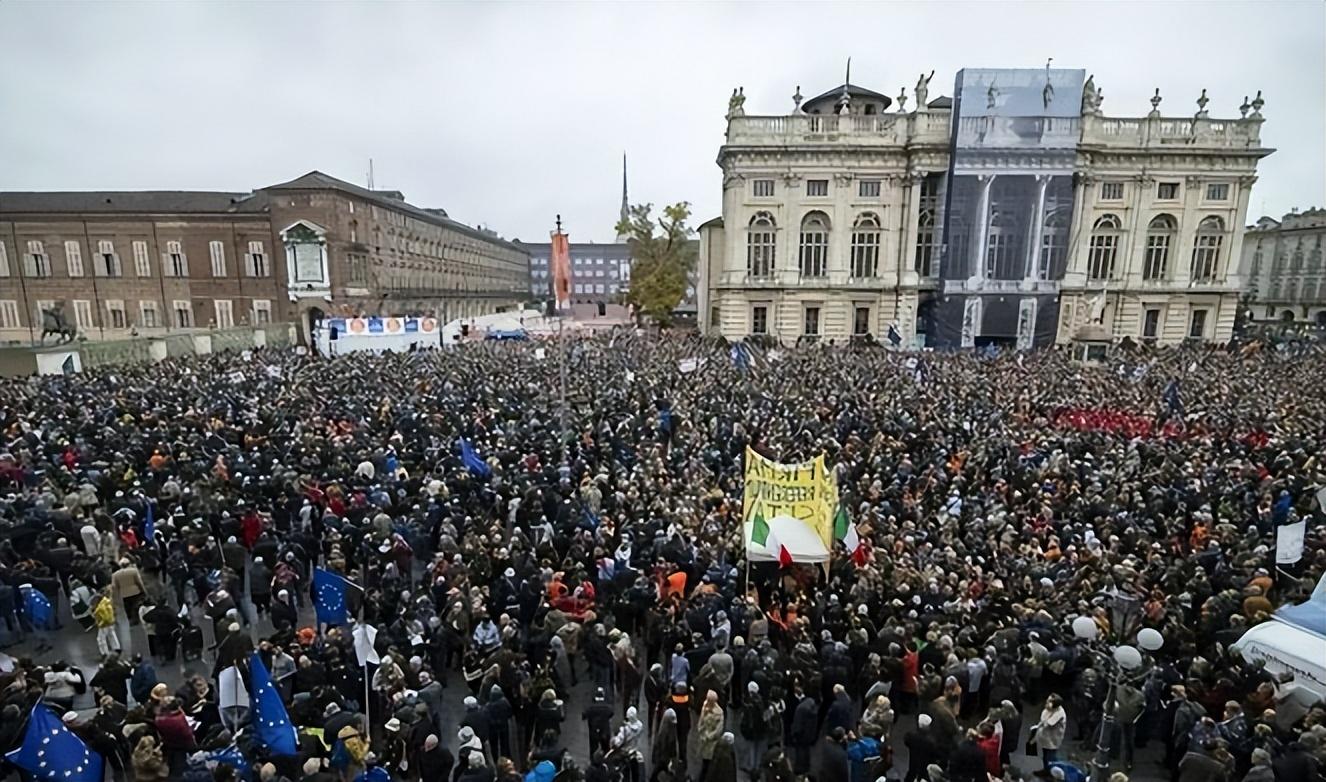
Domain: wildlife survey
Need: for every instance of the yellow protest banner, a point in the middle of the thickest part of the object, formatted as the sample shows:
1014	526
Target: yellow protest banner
806	491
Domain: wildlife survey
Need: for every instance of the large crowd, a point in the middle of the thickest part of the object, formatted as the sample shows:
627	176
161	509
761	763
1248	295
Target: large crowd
591	568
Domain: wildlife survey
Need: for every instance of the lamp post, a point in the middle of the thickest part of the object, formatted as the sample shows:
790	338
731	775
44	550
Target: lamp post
1121	661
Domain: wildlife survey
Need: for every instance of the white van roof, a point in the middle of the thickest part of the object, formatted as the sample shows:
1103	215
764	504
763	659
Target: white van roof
1286	648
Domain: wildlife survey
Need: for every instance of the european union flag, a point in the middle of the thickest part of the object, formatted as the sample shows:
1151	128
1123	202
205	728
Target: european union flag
473	463
270	720
588	520
1172	397
740	356
50	753
894	336
230	756
150	526
329	597
37	607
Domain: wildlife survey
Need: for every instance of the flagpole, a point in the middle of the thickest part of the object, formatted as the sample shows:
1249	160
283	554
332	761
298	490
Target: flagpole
561	353
363	601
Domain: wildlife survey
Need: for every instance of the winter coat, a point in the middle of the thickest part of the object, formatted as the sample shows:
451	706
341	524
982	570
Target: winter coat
1050	734
710	730
148	762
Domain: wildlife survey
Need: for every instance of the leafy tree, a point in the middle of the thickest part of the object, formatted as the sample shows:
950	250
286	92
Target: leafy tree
662	258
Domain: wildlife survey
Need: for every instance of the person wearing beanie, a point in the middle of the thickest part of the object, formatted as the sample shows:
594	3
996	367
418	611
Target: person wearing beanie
499	712
435	760
921	748
316	770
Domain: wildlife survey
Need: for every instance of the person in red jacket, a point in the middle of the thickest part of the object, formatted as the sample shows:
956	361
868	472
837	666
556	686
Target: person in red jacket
173	727
988	740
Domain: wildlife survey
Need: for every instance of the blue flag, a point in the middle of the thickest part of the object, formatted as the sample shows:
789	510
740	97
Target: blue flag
50	753
37	607
473	462
588	520
230	756
329	597
150	526
1172	397
740	356
271	723
894	336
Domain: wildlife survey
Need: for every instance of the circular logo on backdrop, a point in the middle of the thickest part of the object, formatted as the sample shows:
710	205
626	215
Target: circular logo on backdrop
428	324
358	326
393	325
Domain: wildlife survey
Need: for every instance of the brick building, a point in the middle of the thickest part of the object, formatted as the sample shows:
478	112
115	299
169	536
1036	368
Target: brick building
121	263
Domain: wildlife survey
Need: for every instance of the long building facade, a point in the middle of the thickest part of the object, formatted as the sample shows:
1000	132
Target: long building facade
119	264
1284	268
1014	214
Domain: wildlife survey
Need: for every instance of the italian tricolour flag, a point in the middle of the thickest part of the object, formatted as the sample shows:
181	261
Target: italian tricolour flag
761	535
844	530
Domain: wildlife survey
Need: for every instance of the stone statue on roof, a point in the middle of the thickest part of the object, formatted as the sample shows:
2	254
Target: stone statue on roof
736	104
922	89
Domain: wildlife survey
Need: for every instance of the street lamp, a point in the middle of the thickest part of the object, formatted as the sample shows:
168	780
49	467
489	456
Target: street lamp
1122	661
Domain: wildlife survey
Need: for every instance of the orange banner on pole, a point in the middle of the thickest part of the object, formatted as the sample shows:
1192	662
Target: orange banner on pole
561	269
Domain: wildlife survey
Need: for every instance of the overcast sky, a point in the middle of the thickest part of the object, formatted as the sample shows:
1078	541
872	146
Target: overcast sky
509	113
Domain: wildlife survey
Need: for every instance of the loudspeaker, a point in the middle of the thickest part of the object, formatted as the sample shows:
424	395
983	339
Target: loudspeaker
333	334
464	329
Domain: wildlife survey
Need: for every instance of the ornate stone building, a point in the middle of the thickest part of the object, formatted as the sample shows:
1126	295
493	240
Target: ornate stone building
150	263
1284	268
834	218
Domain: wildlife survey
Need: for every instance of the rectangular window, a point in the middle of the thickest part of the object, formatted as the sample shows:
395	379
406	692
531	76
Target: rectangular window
1217	192
256	262
262	312
176	265
36	263
1100	258
9	314
1157	256
1167	191
183	313
108	263
225	313
1197	325
83	314
217	251
1151	324
762	188
817	187
811	322
868	188
4	260
73	258
147	314
142	263
598	288
860	321
759	319
115	314
1111	191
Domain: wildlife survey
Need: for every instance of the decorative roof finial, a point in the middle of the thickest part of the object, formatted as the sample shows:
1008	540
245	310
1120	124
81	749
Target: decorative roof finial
902	99
1257	104
1155	103
1243	109
1202	100
796	99
845	101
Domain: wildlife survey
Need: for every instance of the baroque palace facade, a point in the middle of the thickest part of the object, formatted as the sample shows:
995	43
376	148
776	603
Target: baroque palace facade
119	264
1013	214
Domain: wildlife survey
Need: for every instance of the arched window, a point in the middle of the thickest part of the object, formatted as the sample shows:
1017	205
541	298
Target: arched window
865	246
760	238
1206	249
1159	236
927	246
1104	249
999	261
1054	244
815	245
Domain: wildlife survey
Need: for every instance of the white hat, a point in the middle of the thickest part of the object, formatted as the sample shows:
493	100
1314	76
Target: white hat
923	721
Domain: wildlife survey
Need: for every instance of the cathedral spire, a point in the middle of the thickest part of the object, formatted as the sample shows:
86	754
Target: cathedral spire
626	208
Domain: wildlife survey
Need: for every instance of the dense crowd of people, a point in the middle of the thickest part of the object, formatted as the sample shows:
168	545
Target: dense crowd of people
590	568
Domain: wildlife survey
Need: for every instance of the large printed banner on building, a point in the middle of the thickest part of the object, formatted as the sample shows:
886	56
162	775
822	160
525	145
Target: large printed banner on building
806	491
372	326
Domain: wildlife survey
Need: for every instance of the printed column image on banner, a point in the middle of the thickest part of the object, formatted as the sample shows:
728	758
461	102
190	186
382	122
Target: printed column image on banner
805	492
1007	207
560	261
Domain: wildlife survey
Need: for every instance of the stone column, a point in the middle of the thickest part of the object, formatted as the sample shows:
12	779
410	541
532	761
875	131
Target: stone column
982	226
1036	229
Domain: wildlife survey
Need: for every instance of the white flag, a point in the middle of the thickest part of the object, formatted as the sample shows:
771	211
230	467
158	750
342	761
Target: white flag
1289	543
365	635
232	689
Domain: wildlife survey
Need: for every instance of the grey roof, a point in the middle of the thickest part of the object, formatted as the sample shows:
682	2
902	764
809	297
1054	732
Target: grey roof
853	91
316	180
141	202
942	102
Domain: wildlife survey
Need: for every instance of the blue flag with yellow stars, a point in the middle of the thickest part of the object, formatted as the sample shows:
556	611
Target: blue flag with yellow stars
50	753
271	723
